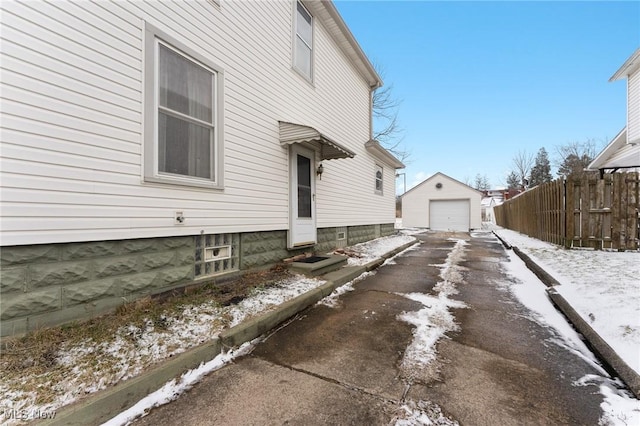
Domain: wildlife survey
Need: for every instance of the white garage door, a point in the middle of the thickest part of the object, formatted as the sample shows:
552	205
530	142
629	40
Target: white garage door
449	215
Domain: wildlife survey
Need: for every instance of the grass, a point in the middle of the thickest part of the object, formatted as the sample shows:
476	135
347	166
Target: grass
32	364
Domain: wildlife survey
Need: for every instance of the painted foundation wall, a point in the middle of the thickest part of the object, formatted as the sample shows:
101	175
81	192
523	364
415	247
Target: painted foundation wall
49	284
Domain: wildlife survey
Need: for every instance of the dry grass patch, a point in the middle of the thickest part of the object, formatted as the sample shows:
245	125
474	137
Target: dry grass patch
81	352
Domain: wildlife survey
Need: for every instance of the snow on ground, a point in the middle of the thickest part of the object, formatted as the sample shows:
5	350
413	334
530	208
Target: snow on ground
603	286
422	413
431	323
93	367
596	283
607	286
434	319
174	388
363	253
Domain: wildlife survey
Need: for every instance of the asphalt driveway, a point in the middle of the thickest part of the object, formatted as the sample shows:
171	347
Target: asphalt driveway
342	364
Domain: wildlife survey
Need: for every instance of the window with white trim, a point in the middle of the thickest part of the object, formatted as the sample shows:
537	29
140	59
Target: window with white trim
303	43
181	114
379	176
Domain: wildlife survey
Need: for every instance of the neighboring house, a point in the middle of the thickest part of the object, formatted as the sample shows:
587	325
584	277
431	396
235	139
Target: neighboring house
150	145
499	195
490	199
441	203
487	204
623	152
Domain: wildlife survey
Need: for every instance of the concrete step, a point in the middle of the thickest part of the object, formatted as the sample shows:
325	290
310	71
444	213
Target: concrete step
318	265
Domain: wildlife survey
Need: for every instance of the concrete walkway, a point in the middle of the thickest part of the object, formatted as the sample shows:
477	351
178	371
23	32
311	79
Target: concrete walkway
341	365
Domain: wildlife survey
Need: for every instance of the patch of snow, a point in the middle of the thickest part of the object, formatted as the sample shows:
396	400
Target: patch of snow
434	320
371	250
333	300
532	294
602	286
263	300
619	407
422	413
174	388
597	284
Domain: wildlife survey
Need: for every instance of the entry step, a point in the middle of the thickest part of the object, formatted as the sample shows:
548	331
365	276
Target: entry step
314	266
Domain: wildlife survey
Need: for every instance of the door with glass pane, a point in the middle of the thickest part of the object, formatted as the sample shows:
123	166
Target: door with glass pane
302	230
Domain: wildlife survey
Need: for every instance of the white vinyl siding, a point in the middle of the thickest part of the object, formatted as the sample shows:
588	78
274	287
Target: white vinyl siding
73	103
633	108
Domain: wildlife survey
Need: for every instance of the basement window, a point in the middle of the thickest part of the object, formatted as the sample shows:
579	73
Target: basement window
216	254
341	236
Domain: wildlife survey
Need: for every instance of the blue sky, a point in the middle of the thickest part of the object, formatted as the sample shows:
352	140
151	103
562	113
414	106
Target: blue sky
480	81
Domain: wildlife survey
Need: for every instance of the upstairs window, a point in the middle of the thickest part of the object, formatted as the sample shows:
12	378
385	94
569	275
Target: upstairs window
181	131
379	176
303	49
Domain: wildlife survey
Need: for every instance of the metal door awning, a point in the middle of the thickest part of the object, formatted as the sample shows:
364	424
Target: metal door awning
329	149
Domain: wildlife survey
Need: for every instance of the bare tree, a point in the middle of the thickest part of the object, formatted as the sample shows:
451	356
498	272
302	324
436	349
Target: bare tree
386	127
522	164
574	157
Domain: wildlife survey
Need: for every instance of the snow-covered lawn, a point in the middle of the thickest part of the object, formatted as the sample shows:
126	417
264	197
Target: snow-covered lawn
619	406
603	286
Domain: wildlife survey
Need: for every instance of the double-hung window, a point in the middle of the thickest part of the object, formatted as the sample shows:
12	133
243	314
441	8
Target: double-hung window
303	43
181	114
379	175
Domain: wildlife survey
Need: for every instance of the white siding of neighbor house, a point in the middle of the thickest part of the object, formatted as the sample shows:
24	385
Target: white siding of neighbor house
72	108
415	202
633	107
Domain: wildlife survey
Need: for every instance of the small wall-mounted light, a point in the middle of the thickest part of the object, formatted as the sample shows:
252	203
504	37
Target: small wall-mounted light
439	185
319	171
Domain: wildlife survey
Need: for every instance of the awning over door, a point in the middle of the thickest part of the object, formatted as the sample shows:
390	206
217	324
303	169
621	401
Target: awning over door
291	133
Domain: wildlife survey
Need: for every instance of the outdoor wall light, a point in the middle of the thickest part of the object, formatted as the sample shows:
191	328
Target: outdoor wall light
319	171
438	185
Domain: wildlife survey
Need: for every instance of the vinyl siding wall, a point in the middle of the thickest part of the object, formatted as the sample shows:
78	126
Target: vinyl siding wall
633	108
72	108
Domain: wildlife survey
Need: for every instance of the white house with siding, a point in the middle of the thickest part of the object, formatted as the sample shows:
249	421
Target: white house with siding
441	203
146	145
623	152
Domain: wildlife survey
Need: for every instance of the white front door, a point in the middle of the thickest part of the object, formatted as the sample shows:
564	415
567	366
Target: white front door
302	230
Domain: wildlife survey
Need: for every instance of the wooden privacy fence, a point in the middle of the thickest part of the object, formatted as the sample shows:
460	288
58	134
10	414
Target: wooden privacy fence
581	211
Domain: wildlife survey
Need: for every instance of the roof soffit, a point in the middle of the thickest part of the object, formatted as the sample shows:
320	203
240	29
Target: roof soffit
374	147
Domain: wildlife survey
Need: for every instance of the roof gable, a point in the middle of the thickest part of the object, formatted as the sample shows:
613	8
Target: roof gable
441	175
630	66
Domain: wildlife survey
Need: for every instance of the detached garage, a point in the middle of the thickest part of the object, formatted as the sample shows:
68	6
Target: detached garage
441	203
